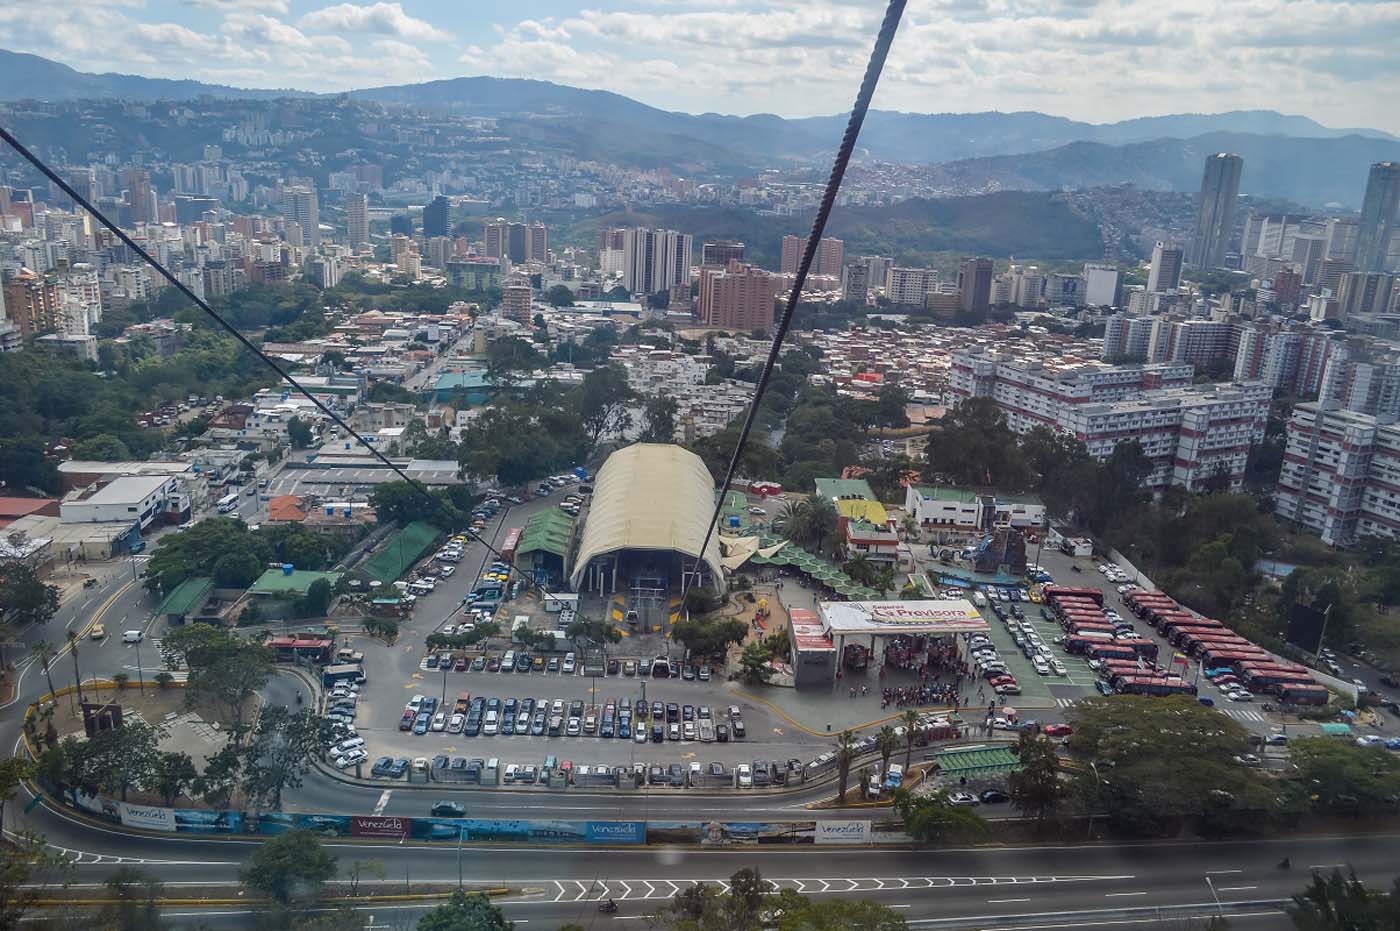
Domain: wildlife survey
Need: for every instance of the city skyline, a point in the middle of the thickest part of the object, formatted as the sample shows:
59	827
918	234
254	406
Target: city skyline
1282	55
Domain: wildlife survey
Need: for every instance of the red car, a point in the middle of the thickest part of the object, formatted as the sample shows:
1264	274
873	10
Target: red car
1002	679
1058	730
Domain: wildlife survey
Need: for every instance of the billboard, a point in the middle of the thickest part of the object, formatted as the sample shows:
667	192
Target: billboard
615	832
934	616
843	832
280	822
674	832
378	826
727	833
151	818
200	821
1306	626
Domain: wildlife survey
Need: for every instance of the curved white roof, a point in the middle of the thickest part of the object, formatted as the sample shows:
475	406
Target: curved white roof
650	496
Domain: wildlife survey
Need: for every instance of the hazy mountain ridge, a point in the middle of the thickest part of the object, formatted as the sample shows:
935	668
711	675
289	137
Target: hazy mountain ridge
1285	155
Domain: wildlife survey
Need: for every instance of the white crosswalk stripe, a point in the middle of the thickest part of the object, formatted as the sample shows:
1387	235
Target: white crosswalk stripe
1240	714
1066	702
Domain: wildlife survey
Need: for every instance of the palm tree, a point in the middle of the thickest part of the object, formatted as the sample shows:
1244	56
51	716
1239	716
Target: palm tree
845	752
910	720
886	740
858	567
77	674
910	526
42	651
884	580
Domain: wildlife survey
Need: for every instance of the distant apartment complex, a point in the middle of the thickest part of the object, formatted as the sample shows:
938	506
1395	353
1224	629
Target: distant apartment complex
1341	475
1192	433
738	296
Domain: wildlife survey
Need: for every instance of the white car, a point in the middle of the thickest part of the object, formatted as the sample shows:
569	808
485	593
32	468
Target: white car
456	723
1041	666
439	722
569	663
963	798
448	570
1059	668
1001	724
348	760
1240	695
132	636
744	774
1103	568
1370	740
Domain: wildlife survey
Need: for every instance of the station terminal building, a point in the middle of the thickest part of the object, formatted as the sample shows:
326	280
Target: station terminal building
848	633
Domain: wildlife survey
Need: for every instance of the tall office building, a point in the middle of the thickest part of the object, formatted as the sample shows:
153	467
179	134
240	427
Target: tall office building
1166	267
33	303
831	254
975	284
356	220
1215	216
518	242
738	296
1378	217
137	182
435	217
299	206
1101	285
1364	293
721	253
654	260
537	242
910	287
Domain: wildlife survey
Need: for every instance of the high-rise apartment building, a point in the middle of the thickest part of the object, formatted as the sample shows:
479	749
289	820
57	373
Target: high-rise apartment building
1377	222
537	243
356	220
738	296
516	300
1288	286
1166	267
1340	469
33	303
518	242
654	260
435	217
909	287
137	182
300	206
855	282
721	253
831	255
1341	238
1189	432
1215	215
975	284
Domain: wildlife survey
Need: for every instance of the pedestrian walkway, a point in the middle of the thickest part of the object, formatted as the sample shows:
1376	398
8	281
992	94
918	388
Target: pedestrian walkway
1241	714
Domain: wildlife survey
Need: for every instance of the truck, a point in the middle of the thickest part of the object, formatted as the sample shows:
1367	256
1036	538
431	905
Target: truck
342	672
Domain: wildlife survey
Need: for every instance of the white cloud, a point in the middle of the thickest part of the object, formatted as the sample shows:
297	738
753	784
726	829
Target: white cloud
383	18
259	30
269	6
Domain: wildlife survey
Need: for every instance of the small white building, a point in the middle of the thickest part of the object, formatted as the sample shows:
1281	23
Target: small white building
140	499
939	506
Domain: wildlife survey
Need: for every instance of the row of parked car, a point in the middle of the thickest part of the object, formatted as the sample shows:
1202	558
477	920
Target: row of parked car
694	775
639	722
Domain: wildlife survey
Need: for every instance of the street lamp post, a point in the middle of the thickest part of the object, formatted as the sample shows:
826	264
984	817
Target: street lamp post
140	673
1214	895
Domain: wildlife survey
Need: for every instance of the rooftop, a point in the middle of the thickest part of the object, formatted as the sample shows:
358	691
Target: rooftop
121	490
832	488
944	493
296	582
951	616
187	596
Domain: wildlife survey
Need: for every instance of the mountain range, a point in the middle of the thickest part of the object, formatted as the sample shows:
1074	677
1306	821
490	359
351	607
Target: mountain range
1286	156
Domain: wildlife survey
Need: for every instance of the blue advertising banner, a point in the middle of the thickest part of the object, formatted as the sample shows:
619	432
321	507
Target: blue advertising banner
271	823
616	832
477	829
199	821
674	832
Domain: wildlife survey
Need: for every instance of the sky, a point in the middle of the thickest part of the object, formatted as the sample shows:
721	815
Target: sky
1337	61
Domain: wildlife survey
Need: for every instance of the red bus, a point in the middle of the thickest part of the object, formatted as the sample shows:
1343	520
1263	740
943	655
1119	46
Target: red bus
1069	591
1160	616
1230	654
1272	680
512	543
1107	651
1078	643
1141	604
1299	694
1176	635
1141	646
1092	617
1075	629
1195	644
1155	685
1066	603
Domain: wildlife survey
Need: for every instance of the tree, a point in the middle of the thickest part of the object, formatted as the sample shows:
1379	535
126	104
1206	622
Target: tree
221	547
1338	902
1137	744
886	741
104	447
77	673
559	296
751	903
909	720
358	869
133	907
27	870
754	668
288	868
845	752
224	668
659	419
172	774
466	912
13	771
593	631
299	432
1341	778
932	819
708	636
1035	787
283	747
604	402
24	599
317	600
110	762
220	777
42	651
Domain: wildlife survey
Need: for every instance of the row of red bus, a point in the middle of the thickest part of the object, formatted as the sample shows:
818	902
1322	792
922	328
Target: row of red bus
1088	629
1221	651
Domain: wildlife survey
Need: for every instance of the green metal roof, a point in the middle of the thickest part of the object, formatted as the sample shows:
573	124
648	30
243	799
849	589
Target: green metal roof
977	760
944	493
297	582
187	596
830	488
400	551
547	532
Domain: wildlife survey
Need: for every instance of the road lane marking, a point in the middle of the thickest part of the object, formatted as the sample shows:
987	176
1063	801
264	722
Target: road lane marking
1119	895
1236	888
1222	872
383	800
1000	901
